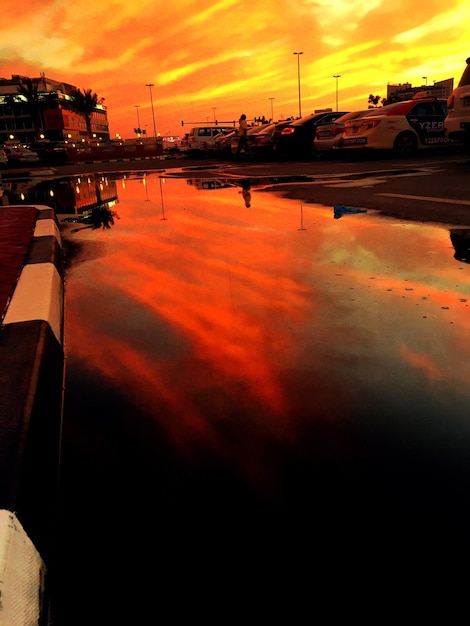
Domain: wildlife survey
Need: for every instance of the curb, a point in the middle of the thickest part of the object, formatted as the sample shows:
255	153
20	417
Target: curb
31	385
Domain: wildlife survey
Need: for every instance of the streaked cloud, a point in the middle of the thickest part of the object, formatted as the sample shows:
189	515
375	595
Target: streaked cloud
232	56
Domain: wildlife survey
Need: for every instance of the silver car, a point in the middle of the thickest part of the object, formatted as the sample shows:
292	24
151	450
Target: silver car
328	136
457	122
18	156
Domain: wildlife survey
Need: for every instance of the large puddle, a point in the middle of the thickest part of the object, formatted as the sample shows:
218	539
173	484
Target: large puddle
236	359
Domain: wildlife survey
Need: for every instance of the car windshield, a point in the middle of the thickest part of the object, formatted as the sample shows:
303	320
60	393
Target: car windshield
465	80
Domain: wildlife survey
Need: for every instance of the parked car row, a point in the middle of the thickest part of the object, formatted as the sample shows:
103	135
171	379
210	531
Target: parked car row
404	128
16	155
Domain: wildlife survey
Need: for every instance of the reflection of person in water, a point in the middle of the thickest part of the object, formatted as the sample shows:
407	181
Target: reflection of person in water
246	192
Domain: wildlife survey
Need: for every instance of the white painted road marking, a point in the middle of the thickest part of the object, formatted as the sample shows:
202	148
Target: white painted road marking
427	198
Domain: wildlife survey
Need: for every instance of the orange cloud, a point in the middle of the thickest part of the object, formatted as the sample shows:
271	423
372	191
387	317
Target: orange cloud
232	56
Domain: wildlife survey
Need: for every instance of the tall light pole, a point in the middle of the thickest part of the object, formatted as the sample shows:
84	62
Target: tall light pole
426	79
336	76
213	110
272	114
150	85
298	79
137	106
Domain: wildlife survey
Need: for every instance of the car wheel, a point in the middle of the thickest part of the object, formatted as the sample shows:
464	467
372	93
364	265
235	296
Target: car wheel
405	145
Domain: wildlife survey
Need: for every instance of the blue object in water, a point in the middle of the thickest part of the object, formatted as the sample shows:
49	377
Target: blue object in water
341	209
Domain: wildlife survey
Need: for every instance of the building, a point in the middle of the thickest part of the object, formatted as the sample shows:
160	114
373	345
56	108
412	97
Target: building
439	89
43	108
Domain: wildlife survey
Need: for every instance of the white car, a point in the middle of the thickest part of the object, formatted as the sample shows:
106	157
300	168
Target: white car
200	138
403	127
18	156
457	122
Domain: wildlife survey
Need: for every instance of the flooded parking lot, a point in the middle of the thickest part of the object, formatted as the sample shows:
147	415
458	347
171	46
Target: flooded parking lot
250	379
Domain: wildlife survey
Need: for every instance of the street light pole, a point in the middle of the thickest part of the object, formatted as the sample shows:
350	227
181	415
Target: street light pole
298	79
137	106
213	110
426	79
272	114
336	76
150	85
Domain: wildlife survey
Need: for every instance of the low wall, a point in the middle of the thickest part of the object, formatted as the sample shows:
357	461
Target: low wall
114	152
31	397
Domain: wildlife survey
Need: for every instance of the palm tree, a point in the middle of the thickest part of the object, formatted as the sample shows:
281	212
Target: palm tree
373	101
85	103
29	90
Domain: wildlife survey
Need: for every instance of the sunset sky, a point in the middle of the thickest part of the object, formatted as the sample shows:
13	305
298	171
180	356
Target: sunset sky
215	59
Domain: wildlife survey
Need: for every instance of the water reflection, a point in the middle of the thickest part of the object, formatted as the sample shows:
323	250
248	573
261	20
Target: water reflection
247	384
66	195
460	238
249	301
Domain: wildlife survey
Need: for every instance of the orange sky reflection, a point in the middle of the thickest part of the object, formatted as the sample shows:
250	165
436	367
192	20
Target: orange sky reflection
221	313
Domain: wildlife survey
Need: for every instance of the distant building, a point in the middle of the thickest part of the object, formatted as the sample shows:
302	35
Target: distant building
53	111
439	89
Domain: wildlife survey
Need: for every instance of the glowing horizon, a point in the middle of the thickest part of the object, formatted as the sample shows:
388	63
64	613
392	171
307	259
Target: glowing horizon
215	60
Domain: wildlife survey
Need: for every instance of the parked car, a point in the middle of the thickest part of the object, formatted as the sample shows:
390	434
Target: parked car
200	138
328	136
223	143
457	122
3	158
18	155
260	143
50	152
295	139
251	132
184	144
403	127
213	145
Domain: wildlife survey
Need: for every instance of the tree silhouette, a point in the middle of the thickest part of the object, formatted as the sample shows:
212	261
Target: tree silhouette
29	90
373	101
85	103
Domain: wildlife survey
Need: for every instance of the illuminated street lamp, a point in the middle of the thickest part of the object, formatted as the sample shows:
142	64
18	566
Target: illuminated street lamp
150	85
336	76
298	79
272	114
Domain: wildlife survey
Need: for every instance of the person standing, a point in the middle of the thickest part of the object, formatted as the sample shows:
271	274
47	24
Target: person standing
242	131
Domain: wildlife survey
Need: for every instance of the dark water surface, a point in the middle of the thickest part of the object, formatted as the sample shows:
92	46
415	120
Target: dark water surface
252	392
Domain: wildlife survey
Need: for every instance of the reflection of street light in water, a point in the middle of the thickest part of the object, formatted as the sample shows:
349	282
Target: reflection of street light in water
301	218
144	183
161	196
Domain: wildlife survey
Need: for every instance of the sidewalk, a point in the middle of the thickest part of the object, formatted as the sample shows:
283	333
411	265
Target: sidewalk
31	376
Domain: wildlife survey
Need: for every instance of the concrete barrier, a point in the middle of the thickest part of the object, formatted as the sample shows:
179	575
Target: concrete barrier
31	397
22	576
